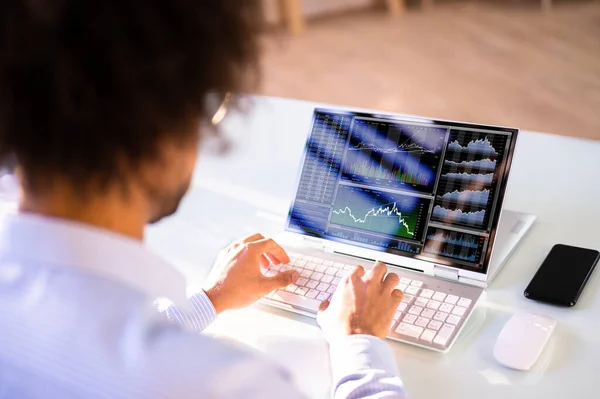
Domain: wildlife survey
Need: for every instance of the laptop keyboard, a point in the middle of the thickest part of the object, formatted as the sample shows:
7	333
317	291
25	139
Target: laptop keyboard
431	313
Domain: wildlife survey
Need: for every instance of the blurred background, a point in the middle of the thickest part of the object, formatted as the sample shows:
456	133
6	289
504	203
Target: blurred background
532	64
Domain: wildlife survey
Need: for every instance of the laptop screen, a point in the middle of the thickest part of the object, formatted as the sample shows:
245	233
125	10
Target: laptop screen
422	188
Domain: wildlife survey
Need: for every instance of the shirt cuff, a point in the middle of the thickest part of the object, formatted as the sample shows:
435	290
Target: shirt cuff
360	352
203	307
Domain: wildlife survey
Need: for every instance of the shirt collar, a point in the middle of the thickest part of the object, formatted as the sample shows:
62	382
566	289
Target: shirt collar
93	250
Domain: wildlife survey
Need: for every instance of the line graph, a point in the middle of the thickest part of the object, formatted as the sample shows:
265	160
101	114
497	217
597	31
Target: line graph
394	154
481	146
384	210
400	147
468	196
391	214
484	164
458	216
483	178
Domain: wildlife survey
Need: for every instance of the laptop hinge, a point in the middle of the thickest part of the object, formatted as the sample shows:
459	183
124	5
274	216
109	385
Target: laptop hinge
445	272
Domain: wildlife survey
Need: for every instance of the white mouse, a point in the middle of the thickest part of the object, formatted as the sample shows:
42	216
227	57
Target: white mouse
522	340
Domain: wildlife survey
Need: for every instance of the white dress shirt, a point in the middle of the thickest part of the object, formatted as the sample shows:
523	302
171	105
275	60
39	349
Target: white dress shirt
78	319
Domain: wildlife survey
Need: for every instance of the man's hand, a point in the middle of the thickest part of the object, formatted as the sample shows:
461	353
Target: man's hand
364	303
236	279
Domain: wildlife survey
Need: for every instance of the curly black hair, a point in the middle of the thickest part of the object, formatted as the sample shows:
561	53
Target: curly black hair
86	83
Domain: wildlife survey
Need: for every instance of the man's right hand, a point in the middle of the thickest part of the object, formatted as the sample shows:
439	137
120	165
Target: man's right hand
363	303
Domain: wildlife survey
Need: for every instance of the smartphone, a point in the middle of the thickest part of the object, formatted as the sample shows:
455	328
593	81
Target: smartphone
561	278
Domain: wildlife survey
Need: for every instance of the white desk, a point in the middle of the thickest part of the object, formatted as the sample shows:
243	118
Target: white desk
249	190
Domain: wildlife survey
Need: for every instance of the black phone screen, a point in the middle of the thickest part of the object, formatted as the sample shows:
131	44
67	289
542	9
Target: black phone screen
563	275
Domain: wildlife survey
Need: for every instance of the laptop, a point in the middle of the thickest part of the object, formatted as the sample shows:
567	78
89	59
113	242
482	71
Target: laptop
423	196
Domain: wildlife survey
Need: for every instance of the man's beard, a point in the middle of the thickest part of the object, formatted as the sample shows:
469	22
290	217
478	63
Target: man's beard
167	203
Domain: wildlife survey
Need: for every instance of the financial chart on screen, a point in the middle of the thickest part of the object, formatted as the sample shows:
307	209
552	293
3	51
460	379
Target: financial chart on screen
421	188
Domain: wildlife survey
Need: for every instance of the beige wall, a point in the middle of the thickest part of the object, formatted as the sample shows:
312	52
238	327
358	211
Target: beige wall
314	7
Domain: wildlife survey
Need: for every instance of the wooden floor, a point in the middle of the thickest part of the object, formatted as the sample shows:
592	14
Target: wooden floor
500	63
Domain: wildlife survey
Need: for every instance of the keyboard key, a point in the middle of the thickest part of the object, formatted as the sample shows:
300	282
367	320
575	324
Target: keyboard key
427	293
285	268
409	330
301	290
397	315
306	273
459	310
453	319
312	284
402	307
412	290
402	287
327	278
409	318
434	325
433	305
328	263
451	299
440	316
323	287
464	302
416	283
321	268
416	310
446	307
332	270
421	302
275	267
348	268
310	266
428	313
291	288
439	296
270	294
444	334
422	322
404	280
393	323
341	273
317	276
408	298
428	335
317	260
300	256
297	300
323	296
301	281
312	294
331	289
336	280
300	263
338	265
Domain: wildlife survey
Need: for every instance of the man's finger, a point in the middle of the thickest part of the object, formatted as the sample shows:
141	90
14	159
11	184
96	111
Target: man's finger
390	281
397	296
264	261
378	272
324	305
268	245
252	238
357	272
281	279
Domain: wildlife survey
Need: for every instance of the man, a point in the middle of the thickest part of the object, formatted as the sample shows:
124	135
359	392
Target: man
101	102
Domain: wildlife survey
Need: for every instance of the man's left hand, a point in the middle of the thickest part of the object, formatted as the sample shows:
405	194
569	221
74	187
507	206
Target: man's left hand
236	280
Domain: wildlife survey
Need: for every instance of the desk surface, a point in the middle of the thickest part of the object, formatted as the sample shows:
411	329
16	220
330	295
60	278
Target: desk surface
250	189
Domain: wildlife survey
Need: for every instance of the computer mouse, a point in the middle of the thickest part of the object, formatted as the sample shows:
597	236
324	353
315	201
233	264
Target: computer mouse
522	340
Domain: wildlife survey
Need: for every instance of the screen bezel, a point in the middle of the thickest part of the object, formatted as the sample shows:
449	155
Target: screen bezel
446	262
